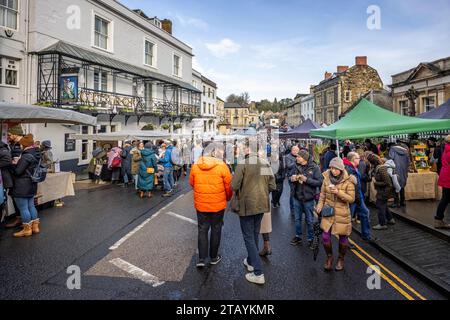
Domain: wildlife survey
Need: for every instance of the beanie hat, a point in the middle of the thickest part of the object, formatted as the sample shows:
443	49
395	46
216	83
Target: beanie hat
337	163
304	154
27	141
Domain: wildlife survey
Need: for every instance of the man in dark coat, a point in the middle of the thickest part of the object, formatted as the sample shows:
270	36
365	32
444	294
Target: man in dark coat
126	164
5	165
400	155
290	165
329	155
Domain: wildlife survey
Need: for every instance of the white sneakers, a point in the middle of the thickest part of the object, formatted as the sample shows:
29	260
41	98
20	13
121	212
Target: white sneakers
251	277
249	267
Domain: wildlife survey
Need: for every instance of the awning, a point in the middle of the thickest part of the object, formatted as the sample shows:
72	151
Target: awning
442	112
302	131
124	135
99	59
22	113
368	120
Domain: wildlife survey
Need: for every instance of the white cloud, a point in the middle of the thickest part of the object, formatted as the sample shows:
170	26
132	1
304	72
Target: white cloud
223	48
190	21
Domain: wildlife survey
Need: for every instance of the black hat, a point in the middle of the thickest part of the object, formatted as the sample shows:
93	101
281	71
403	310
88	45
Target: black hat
47	144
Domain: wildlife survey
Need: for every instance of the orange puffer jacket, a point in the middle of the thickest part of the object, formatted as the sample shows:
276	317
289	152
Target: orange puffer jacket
211	180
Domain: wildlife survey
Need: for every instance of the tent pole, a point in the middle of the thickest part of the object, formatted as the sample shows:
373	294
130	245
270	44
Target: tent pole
337	147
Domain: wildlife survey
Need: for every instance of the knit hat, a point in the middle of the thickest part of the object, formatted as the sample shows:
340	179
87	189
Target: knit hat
47	144
27	141
447	139
337	163
304	154
148	145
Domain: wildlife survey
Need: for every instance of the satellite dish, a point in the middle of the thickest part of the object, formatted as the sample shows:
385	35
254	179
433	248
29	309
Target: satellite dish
9	33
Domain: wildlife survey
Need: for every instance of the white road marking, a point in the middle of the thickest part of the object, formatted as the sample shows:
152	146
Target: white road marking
173	214
137	272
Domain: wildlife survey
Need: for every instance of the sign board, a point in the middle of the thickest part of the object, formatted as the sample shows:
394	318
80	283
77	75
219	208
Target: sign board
69	144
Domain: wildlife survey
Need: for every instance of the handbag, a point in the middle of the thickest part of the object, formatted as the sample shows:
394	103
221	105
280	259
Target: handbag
150	170
98	169
328	211
116	163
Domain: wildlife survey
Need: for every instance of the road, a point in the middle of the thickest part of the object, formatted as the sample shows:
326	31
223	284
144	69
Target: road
132	248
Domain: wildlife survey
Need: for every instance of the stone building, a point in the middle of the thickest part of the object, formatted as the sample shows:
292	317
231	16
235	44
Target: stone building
294	111
237	115
431	80
340	90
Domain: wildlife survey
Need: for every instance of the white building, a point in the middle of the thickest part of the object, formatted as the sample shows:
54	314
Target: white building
97	57
209	106
307	103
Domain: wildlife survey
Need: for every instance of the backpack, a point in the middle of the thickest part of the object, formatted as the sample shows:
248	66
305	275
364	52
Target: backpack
175	158
40	173
117	162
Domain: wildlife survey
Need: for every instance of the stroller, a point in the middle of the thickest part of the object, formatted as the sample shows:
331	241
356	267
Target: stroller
159	175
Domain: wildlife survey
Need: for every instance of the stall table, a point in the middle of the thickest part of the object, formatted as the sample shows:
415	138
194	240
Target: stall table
56	186
419	186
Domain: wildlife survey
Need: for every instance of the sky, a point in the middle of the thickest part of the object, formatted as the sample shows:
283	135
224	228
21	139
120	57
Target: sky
276	49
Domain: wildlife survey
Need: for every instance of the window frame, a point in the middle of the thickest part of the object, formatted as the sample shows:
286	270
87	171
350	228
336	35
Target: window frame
3	67
349	92
101	83
401	108
17	12
180	65
425	106
110	36
154	53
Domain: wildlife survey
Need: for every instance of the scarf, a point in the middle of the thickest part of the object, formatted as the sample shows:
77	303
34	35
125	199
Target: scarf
336	180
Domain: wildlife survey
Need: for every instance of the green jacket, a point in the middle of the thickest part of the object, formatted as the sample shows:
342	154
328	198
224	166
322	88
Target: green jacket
252	183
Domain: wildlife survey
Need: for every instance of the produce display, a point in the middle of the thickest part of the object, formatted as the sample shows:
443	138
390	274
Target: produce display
420	159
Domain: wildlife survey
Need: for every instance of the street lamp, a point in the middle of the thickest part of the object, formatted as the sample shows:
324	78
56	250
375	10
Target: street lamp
412	94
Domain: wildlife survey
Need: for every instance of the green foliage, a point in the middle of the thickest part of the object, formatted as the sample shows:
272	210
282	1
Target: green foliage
243	99
127	110
87	107
165	126
177	126
148	127
46	104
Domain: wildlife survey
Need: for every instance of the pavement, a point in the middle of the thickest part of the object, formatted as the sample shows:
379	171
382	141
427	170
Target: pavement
132	248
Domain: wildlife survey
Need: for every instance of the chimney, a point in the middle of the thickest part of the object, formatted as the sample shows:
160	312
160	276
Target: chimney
341	69
166	25
311	89
328	75
361	61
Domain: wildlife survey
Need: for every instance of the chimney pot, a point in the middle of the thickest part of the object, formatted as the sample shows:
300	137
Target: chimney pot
166	25
361	61
328	75
341	69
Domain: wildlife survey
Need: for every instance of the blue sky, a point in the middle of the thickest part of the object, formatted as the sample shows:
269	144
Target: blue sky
279	48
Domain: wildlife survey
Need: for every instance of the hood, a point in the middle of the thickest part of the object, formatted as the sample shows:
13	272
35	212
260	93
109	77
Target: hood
390	163
208	163
147	152
34	152
400	151
347	176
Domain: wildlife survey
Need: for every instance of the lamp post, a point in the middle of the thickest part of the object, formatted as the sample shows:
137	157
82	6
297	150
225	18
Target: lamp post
412	94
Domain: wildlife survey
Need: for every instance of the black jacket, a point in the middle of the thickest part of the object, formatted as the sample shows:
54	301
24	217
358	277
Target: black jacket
16	150
307	191
290	165
5	165
22	172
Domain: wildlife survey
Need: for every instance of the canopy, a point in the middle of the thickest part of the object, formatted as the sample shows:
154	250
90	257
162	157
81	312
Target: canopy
302	131
442	112
123	135
369	120
22	113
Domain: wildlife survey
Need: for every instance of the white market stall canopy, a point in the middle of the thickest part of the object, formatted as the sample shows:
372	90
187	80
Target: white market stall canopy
124	135
23	113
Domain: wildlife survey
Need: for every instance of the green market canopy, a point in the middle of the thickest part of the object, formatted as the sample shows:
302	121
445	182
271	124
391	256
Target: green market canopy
368	120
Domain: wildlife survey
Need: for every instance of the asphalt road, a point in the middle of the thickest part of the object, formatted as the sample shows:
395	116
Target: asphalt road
132	248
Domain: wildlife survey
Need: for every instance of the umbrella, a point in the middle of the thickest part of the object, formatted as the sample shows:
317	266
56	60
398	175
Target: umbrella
316	241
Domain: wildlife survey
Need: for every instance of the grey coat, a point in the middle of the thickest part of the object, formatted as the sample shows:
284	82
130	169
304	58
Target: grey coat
400	156
253	181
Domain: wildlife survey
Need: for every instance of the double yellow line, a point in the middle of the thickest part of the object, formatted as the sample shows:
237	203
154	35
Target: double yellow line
401	286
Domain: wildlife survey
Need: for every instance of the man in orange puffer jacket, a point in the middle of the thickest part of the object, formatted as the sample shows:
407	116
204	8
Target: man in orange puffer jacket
211	180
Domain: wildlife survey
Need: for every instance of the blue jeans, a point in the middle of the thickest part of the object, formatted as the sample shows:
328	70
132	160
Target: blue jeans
250	226
301	207
291	196
27	209
168	179
363	213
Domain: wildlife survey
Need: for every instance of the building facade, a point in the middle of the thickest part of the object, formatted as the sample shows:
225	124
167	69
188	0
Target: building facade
431	80
209	106
96	57
340	90
307	107
294	111
237	115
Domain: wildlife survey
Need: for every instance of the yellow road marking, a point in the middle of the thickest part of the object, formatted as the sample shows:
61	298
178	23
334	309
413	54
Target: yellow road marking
387	270
381	274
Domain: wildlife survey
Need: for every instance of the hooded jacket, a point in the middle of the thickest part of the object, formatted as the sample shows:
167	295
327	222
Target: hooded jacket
24	187
401	159
290	164
211	180
167	159
146	180
307	190
5	165
444	176
391	169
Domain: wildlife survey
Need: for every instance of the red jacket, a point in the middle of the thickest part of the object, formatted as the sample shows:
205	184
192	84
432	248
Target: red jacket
211	180
444	176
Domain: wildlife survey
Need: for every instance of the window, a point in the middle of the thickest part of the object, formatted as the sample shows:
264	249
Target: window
209	92
176	65
101	35
148	94
100	80
204	90
209	108
404	108
330	117
204	107
347	95
214	109
8	71
336	98
150	53
213	94
324	98
9	11
429	103
194	83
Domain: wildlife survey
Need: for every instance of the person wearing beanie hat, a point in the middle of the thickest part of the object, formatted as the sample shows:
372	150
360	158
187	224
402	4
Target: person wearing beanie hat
444	182
337	193
25	189
307	180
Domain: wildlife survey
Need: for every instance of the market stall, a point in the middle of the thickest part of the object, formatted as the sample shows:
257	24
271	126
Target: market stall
301	132
56	185
368	120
